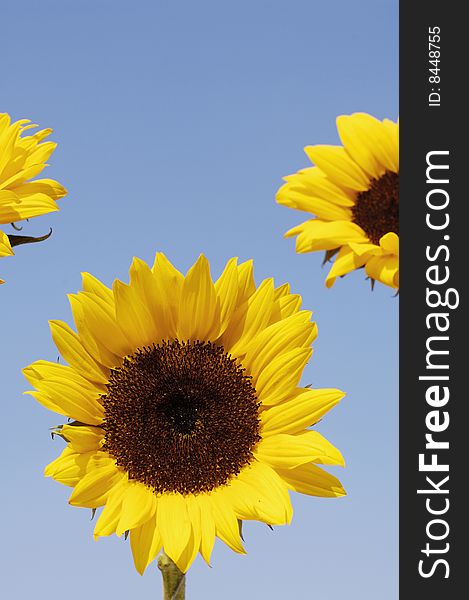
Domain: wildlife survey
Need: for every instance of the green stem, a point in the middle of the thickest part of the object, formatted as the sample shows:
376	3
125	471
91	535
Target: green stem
174	580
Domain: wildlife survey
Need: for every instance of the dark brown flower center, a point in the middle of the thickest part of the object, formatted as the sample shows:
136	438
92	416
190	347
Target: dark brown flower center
376	211
181	417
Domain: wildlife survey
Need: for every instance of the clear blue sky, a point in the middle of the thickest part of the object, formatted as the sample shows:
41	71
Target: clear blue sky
175	122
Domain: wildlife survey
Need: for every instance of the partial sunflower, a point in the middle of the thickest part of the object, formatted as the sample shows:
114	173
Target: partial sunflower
188	418
23	157
353	192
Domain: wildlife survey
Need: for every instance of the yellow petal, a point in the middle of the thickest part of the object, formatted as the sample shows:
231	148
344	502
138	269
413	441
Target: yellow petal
345	262
71	394
69	467
327	453
72	403
323	235
258	493
249	319
40	154
162	267
384	269
82	438
189	553
295	194
37	137
145	542
207	526
8	197
132	316
295	331
92	491
199	315
226	288
285	451
15	174
193	545
362	135
138	506
285	307
48	187
109	518
305	408
174	525
390	243
281	376
362	248
70	347
339	167
246	283
4	123
45	401
144	282
42	370
7	143
96	287
98	330
5	246
392	144
226	524
281	291
169	282
30	206
320	186
310	479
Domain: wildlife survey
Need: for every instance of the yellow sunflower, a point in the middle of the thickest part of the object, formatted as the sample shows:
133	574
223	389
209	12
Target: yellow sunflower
23	157
353	192
188	418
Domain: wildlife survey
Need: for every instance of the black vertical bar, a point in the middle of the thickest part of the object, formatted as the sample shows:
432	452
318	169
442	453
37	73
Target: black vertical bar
434	358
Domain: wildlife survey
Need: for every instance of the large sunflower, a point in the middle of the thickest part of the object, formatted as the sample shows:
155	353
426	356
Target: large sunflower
23	157
187	413
353	192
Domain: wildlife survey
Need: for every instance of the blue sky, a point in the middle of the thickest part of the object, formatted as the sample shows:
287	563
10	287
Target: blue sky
176	122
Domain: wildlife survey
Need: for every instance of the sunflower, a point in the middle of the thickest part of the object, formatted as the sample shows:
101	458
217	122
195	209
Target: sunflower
353	192
23	157
187	414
